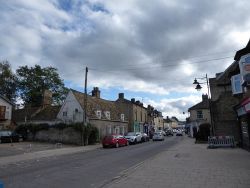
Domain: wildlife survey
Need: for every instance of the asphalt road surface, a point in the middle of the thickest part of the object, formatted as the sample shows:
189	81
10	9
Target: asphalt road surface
95	168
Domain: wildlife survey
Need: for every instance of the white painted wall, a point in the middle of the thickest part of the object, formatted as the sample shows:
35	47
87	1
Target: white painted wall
8	112
69	106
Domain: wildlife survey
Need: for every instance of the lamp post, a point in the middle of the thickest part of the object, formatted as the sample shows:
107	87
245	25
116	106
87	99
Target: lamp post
198	88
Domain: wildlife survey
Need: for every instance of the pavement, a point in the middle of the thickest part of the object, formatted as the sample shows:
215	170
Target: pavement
23	151
189	165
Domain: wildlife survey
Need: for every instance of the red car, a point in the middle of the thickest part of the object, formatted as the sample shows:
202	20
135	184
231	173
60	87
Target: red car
114	141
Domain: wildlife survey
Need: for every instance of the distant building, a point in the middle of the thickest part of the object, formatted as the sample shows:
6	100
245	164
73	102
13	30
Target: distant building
136	113
199	114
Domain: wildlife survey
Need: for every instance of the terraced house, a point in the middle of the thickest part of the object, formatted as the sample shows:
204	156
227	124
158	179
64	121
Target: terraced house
101	113
138	119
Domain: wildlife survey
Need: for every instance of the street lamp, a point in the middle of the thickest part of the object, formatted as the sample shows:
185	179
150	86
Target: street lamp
198	88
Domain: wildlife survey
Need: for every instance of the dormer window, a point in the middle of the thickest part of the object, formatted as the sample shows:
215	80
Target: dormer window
65	114
122	117
107	114
99	114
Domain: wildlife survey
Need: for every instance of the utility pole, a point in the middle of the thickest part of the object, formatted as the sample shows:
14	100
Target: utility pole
85	103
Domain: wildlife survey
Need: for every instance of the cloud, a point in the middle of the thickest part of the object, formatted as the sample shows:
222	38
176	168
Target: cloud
156	47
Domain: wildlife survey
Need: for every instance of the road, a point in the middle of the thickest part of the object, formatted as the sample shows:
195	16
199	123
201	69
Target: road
91	169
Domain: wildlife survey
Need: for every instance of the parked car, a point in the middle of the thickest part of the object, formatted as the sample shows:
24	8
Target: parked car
179	133
145	137
162	132
114	141
169	132
158	136
9	136
134	137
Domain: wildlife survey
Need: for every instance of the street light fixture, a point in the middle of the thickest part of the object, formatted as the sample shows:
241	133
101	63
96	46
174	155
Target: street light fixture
198	88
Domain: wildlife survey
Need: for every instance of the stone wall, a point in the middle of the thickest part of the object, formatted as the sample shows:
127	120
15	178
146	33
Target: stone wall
66	136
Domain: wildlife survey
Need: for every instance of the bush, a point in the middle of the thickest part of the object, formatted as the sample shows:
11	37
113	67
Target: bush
204	132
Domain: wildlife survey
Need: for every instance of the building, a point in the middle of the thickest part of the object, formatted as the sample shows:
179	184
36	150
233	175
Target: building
5	113
158	120
240	78
45	113
136	113
223	102
199	114
105	115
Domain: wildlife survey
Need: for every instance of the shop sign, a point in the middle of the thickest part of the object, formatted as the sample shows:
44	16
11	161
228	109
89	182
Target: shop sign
241	111
244	65
246	104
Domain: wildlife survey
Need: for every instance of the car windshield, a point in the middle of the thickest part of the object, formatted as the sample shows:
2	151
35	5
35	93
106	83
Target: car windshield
131	134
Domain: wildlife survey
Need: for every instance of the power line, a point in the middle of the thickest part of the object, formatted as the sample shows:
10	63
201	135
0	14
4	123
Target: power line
159	67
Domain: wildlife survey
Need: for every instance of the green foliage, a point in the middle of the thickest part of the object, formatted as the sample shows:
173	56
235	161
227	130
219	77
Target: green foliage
33	81
8	81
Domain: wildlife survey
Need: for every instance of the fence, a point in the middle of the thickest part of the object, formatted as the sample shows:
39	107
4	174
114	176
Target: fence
220	141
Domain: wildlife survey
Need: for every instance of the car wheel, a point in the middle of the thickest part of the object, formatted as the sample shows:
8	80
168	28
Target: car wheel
135	141
117	145
104	146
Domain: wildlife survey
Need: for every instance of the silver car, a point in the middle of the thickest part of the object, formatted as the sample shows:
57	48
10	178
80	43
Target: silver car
134	137
158	136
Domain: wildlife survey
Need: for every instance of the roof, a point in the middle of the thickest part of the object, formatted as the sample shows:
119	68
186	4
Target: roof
242	52
7	100
94	104
47	113
202	105
225	77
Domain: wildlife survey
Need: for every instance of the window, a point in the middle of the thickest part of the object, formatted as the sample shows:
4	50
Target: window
199	114
99	114
107	114
122	117
64	113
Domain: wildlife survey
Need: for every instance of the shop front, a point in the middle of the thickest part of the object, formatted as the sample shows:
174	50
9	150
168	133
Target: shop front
243	113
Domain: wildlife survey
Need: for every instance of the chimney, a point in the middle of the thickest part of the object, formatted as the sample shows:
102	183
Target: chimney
96	92
47	98
137	102
204	97
133	100
121	95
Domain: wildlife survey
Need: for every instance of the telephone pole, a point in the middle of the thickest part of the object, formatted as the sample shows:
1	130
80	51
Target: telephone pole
85	108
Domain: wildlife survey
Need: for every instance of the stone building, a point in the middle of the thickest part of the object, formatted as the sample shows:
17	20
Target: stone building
105	115
136	113
199	114
223	102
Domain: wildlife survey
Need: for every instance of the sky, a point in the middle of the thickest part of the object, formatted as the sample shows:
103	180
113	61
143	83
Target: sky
149	50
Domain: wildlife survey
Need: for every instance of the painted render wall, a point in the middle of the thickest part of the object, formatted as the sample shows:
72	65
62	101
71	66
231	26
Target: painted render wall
73	108
8	112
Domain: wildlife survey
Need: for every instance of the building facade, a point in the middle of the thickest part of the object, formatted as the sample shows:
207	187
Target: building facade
199	114
136	113
5	113
105	115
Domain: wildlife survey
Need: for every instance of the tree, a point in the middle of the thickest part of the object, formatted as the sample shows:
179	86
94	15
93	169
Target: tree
33	81
8	81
